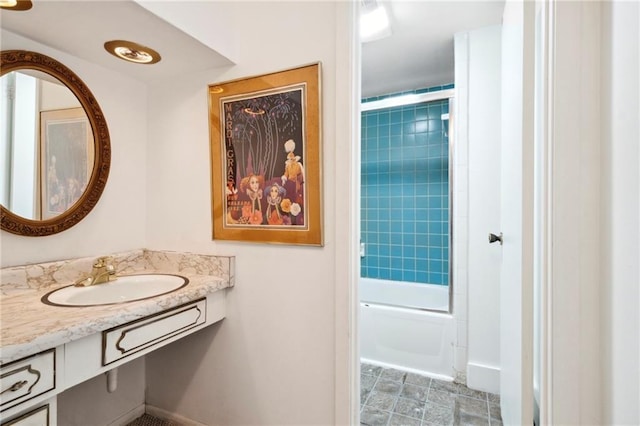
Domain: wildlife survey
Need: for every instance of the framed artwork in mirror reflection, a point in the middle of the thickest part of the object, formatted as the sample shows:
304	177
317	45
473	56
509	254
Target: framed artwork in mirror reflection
265	158
66	153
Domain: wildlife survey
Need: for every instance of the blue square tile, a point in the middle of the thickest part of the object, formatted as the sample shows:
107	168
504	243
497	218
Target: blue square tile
409	264
422	240
408	127
435	253
396	263
408	215
409	239
408	114
396	274
422	112
408	227
409	276
396	238
408	140
409	250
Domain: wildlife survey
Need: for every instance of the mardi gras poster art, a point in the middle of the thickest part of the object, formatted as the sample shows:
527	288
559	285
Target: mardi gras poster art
267	147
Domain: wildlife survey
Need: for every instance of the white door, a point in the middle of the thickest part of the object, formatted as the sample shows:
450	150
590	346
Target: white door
516	296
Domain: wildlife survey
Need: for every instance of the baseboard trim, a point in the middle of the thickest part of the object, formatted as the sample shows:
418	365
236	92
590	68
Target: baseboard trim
166	415
129	416
483	378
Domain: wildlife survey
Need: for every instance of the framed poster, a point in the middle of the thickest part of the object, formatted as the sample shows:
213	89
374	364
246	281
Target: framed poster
265	158
66	153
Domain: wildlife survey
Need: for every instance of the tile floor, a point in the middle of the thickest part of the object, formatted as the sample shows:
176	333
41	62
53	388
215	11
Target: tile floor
390	397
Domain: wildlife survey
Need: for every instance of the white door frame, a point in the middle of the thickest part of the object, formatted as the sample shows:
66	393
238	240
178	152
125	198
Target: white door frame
568	195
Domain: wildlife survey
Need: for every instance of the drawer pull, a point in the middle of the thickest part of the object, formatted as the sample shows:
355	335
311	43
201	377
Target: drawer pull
14	387
27	378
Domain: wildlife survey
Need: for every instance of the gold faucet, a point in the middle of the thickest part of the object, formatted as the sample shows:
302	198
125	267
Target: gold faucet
102	272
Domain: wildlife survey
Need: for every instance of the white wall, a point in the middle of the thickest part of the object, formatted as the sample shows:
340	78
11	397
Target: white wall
90	404
478	87
274	357
620	230
118	220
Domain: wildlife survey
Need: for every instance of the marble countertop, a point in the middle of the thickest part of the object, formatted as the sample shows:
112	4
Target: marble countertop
28	326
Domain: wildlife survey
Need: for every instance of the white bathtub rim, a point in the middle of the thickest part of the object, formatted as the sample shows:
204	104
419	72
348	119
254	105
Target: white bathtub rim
431	297
436	376
431	312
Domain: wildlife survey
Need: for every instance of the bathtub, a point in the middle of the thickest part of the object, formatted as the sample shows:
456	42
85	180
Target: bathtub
400	328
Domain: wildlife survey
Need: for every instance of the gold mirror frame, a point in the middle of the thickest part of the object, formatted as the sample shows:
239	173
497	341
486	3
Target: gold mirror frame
13	60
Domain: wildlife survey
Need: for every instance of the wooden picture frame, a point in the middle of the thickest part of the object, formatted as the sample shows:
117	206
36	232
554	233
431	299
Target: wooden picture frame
266	158
66	159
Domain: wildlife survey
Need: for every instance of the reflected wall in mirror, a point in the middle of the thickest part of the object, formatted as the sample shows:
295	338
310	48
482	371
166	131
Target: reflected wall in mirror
55	150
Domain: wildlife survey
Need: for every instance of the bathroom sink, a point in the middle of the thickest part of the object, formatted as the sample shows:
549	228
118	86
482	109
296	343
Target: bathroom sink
127	288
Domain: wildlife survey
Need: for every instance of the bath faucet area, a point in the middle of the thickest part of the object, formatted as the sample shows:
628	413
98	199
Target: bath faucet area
103	271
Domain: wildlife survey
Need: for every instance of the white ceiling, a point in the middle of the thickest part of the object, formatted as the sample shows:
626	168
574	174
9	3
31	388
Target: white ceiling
419	52
81	28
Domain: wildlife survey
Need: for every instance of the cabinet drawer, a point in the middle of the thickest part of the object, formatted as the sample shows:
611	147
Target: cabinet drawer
125	340
38	417
27	378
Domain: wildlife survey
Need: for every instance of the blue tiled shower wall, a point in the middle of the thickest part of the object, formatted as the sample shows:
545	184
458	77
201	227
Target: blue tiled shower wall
405	192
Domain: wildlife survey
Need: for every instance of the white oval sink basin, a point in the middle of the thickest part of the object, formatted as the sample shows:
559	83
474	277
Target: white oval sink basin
127	288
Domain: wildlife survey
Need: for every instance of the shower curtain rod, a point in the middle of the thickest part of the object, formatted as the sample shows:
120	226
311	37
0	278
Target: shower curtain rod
408	99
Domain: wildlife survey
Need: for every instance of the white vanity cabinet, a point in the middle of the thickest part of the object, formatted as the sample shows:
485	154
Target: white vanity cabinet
29	385
25	385
101	352
42	415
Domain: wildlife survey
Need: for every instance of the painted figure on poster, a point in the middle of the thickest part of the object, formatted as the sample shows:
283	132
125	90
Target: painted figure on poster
251	197
275	196
293	170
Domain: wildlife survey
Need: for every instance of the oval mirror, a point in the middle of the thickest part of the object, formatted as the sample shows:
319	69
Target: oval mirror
55	151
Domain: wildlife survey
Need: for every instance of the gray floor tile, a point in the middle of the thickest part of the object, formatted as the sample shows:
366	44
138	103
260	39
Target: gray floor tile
492	397
388	386
473	406
437	415
441	385
372	370
472	393
367	381
441	397
392	374
373	417
364	394
381	400
419	393
494	412
465	419
409	408
393	397
398	420
417	379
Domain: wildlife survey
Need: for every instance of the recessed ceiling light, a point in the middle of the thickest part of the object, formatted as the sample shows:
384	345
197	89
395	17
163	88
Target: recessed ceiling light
132	52
16	4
